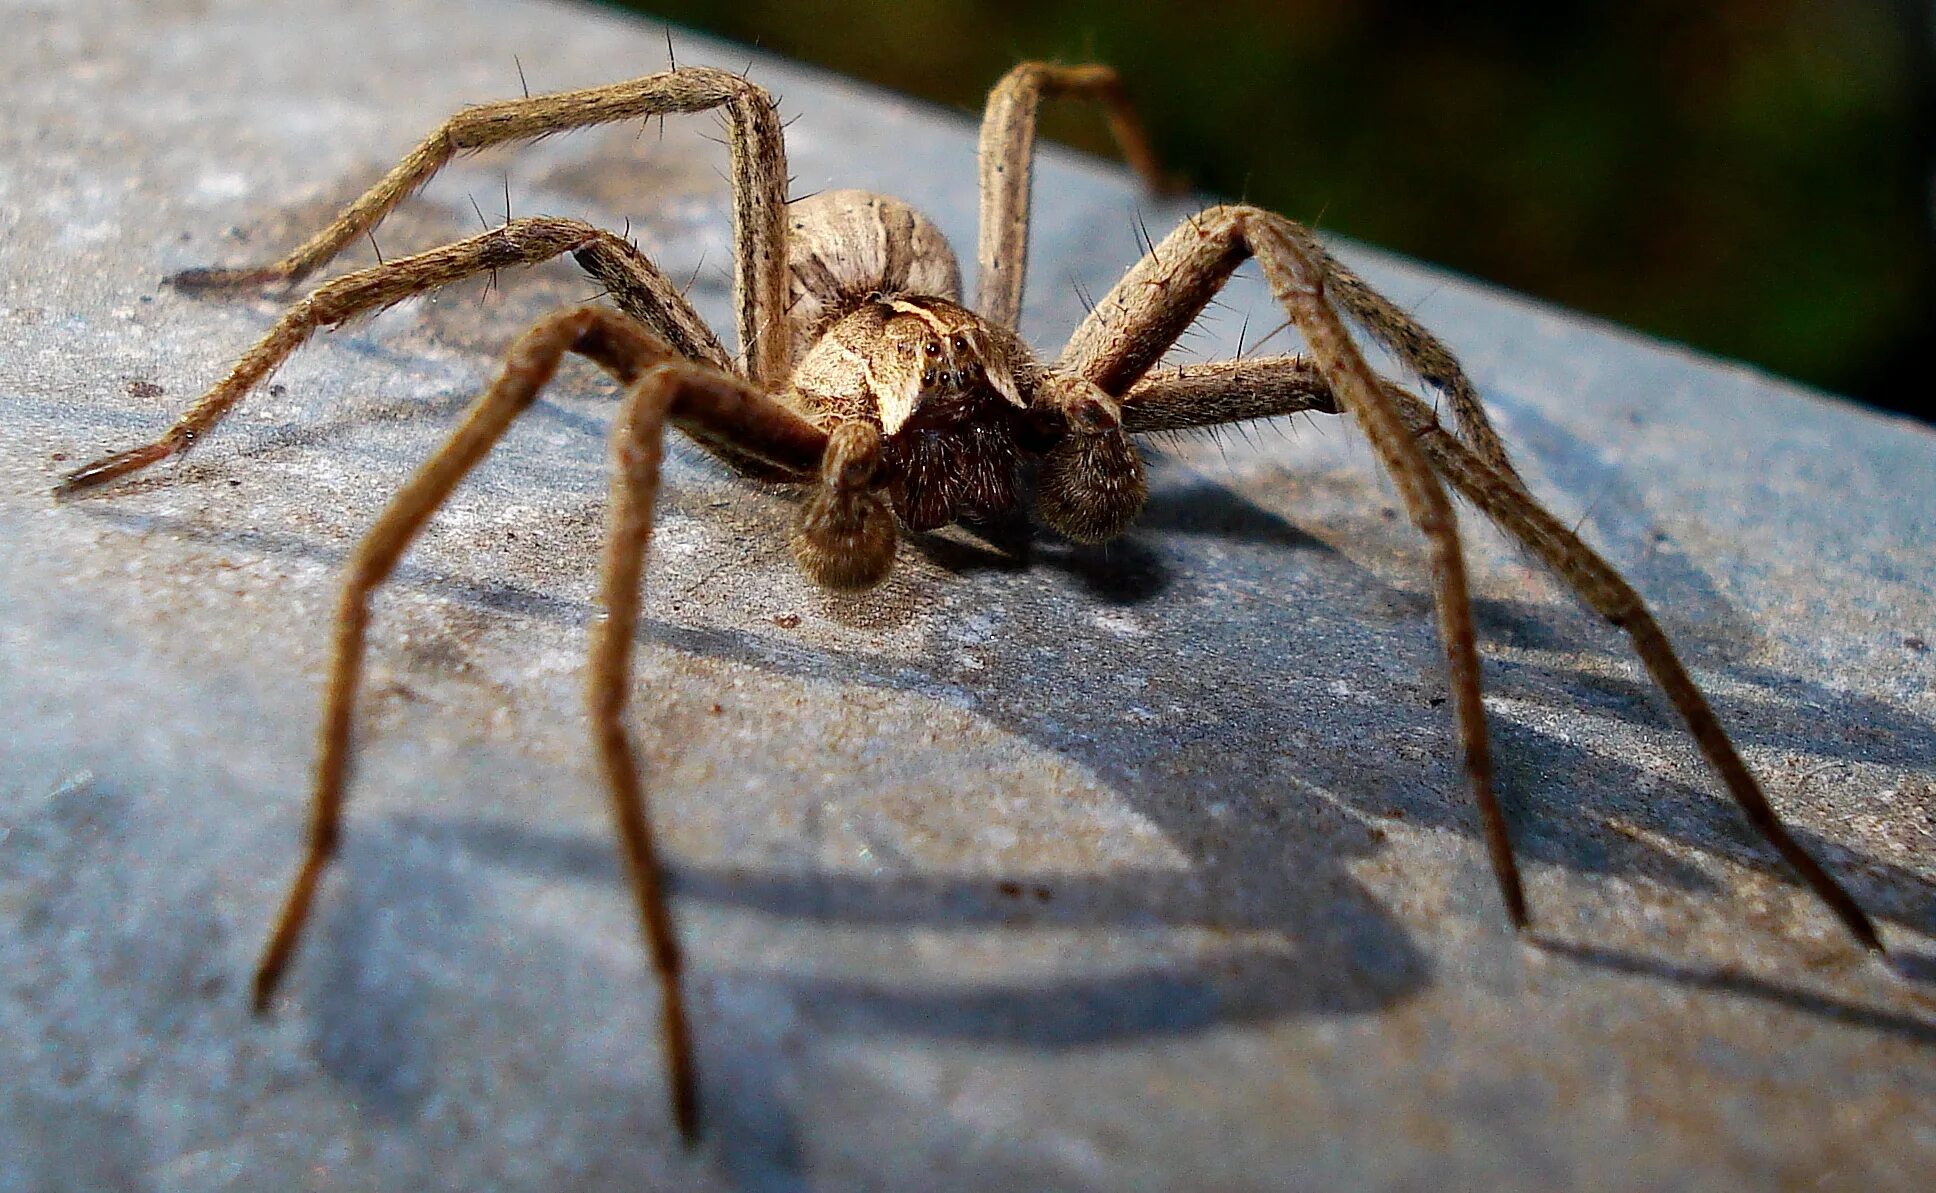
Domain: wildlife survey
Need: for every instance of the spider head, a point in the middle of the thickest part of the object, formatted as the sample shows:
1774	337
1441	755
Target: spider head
945	388
949	391
937	360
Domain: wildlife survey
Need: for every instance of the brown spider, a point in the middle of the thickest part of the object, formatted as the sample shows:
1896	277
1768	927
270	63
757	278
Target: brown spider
864	380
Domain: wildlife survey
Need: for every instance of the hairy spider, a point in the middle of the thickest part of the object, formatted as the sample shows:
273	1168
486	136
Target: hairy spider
863	379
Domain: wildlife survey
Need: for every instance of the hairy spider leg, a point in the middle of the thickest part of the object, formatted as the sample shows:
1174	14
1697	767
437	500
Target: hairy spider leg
1164	292
660	388
1007	155
1215	392
759	182
637	285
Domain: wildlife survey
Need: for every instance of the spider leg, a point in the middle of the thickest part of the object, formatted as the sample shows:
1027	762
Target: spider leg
1007	156
1225	391
1607	593
638	286
1298	281
660	389
759	175
727	406
1141	317
1159	298
1229	391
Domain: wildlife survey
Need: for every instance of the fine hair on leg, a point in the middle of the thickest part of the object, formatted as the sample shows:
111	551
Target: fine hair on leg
759	181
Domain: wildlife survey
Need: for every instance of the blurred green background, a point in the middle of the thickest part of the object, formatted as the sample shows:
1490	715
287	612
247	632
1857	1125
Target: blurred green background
1752	177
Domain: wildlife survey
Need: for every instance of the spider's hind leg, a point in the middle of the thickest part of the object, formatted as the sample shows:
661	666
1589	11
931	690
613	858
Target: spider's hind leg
759	176
635	284
1007	160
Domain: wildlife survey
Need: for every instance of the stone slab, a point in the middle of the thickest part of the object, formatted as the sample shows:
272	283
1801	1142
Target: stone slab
1043	868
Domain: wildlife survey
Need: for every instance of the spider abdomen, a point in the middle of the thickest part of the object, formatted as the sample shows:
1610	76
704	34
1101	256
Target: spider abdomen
843	246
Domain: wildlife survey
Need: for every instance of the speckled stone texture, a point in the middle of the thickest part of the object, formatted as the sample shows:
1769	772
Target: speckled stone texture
1043	868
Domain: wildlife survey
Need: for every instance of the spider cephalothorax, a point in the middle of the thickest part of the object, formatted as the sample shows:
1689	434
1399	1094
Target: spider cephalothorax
941	386
864	379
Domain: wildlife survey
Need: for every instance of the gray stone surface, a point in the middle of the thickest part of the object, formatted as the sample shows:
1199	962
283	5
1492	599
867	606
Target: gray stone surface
1145	868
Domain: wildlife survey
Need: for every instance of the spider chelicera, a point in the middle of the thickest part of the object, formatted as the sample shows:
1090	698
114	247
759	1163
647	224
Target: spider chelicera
864	380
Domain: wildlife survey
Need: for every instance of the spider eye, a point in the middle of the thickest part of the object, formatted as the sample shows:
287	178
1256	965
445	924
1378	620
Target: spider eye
934	349
961	343
927	378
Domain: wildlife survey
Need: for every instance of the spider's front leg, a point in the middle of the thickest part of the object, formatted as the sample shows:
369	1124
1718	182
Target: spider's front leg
1143	315
1609	594
1116	348
660	388
759	180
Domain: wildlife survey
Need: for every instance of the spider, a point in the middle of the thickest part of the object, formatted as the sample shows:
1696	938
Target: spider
865	381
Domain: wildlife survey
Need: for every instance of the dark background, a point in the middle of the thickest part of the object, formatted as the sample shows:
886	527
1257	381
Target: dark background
1752	177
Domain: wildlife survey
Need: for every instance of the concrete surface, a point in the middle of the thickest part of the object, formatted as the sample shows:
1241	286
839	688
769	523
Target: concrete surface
1144	868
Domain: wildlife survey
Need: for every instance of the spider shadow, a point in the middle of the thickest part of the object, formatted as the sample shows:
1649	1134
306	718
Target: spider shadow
1732	982
1122	573
1137	572
1334	949
1326	948
1329	945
